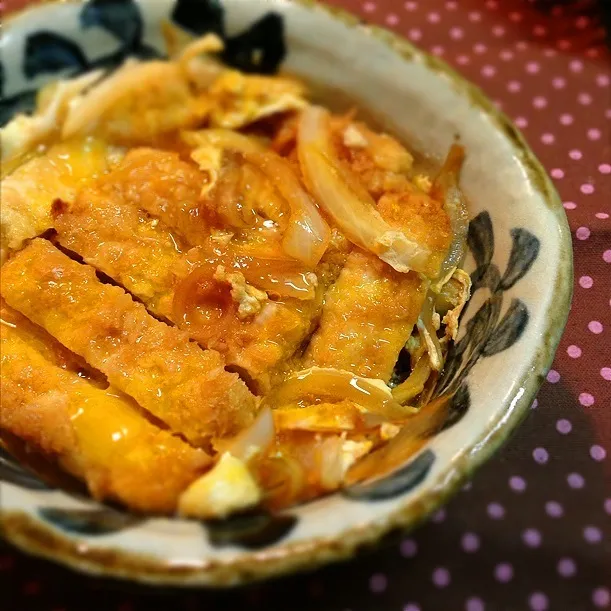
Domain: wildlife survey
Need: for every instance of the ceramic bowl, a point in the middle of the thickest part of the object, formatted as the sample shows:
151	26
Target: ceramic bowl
520	263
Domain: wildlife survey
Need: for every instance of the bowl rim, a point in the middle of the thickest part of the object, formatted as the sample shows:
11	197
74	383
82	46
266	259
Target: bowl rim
34	537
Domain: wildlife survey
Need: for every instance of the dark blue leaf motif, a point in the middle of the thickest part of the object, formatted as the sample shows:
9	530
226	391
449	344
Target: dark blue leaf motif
200	16
13	473
481	239
459	406
251	531
260	49
395	484
524	251
119	17
508	330
21	103
48	53
485	276
92	522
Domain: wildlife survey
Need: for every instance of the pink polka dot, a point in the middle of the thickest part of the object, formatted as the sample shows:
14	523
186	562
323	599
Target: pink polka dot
566	119
369	7
506	55
378	583
456	33
582	22
535	404
584	98
608	506
557	173
587	189
488	71
414	34
470	542
539	102
480	48
605	372
492	4
563	44
548	138
462	60
557	10
521	122
503	572
592	534
575	154
586	282
595	327
514	86
538	601
411	6
540	455
533	67
592	52
558	82
574	351
451	5
408	548
498	31
604	168
601	597
607	256
553	376
517	483
564	426
554	509
586	399
439	516
598	453
475	16
566	567
531	537
603	80
411	607
550	52
539	30
601	215
392	19
437	50
434	17
575	480
516	17
475	604
594	133
441	577
521	45
576	65
496	511
569	205
582	233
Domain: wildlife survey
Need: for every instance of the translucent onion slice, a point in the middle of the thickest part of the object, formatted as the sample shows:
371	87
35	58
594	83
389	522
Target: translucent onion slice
414	384
353	211
222	139
318	383
446	190
255	440
325	418
429	333
280	275
307	235
410	439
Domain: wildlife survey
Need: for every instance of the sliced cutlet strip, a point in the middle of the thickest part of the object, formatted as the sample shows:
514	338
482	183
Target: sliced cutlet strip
97	435
174	379
368	316
106	227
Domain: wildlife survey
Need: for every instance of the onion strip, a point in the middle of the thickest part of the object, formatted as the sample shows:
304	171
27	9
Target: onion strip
414	384
353	211
307	235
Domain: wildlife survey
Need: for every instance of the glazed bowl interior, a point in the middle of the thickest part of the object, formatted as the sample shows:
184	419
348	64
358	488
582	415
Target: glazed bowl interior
520	260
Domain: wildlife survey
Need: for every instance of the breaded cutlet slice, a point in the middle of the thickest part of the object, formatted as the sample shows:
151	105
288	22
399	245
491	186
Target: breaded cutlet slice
174	379
368	316
98	435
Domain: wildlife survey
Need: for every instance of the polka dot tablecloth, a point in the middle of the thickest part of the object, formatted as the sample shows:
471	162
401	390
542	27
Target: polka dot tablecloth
532	531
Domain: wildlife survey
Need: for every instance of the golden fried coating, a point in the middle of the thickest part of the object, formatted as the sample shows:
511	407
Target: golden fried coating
94	433
182	385
369	314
